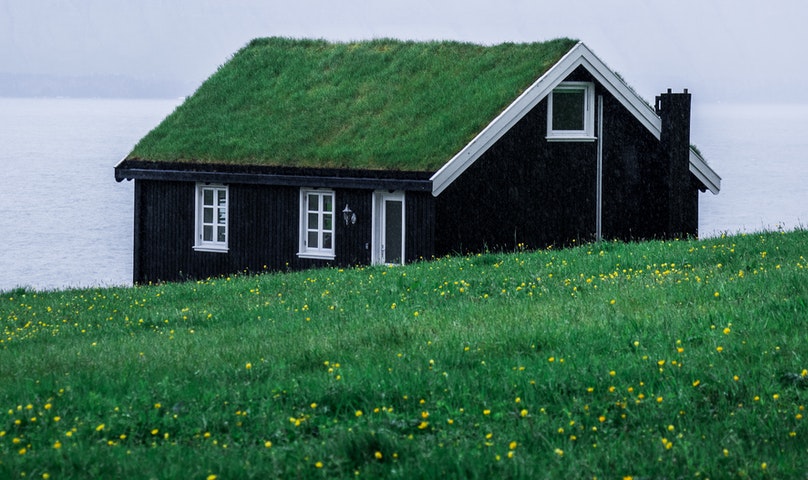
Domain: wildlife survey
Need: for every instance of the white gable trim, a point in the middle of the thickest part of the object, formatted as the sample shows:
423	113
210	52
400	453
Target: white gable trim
579	55
702	171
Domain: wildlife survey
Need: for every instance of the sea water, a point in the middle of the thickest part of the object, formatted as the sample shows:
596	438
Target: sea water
65	221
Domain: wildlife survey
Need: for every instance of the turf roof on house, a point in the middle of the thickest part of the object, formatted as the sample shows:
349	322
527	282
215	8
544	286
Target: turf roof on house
380	104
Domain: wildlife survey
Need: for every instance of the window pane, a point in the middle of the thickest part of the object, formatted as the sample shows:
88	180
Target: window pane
207	233
314	221
328	201
312	240
221	234
207	215
222	197
207	196
222	216
392	231
326	240
314	203
568	109
327	222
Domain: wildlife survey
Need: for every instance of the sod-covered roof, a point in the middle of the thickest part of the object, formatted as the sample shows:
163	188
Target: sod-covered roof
380	104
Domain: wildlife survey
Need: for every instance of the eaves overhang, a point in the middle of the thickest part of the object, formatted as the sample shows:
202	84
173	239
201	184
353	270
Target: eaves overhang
708	177
123	172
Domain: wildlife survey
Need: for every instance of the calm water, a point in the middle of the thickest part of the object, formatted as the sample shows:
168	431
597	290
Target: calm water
65	222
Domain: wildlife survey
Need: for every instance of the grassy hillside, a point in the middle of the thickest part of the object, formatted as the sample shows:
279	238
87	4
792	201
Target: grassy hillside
684	359
380	104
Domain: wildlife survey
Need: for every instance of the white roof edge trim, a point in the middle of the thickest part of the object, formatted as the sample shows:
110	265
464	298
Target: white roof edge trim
578	55
504	121
702	171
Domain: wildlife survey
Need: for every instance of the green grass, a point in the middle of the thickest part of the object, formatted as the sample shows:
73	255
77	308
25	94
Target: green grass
380	104
678	359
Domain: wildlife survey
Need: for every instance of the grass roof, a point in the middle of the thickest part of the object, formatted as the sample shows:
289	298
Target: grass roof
380	104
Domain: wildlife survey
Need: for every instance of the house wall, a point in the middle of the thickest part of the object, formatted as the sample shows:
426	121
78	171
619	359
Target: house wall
526	190
263	231
419	236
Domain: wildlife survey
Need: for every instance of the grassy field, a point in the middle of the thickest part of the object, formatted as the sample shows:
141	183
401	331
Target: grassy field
680	359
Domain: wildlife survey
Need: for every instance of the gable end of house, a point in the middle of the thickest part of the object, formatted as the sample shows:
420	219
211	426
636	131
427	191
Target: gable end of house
578	56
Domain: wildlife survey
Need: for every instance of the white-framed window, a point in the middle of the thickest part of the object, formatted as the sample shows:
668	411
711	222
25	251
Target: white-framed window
211	217
316	223
571	112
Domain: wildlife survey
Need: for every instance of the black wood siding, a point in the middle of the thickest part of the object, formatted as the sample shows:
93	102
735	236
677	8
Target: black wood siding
263	233
419	240
526	190
523	190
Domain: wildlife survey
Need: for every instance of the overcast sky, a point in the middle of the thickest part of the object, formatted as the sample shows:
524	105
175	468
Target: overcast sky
722	51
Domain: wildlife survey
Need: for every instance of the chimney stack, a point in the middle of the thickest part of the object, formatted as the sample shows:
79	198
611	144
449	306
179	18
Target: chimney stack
674	110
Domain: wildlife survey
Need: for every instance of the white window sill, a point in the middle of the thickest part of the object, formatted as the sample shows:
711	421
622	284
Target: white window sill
317	256
571	138
210	248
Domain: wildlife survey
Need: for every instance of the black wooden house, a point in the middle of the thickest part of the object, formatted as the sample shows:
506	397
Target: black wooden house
387	152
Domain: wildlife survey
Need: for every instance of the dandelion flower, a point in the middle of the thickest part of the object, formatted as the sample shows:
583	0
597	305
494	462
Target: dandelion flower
318	465
378	455
358	413
559	452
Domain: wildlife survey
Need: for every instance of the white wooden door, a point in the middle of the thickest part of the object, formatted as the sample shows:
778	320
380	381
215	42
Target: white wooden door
388	228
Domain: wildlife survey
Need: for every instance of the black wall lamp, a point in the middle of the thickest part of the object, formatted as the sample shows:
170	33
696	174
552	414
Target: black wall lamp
348	215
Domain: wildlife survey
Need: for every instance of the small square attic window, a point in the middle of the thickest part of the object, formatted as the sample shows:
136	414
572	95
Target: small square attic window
571	112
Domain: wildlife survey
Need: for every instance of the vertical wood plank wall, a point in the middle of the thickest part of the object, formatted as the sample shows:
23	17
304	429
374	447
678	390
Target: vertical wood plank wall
526	190
263	231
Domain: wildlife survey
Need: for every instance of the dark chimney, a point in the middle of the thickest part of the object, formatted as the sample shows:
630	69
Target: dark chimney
674	110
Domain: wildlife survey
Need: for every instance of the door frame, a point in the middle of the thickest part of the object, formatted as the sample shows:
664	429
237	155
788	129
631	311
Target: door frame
378	223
